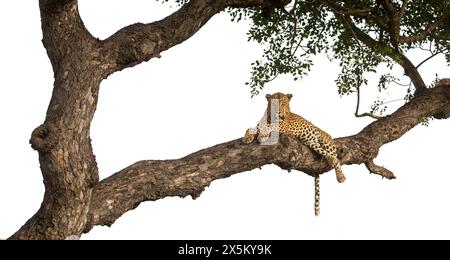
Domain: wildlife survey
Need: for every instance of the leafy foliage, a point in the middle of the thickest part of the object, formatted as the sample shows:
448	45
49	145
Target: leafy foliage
362	35
292	36
290	42
378	107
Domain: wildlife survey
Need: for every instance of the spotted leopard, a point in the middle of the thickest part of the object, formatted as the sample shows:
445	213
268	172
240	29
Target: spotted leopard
285	122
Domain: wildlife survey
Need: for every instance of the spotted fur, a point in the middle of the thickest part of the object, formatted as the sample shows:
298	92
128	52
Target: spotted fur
286	122
317	195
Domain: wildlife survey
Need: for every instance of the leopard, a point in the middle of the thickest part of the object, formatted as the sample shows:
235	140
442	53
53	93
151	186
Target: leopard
278	119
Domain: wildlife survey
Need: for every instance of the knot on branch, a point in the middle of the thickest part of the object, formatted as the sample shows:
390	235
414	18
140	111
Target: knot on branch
43	138
340	151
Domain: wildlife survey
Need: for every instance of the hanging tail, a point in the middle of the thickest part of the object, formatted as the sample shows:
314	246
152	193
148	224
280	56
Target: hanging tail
317	195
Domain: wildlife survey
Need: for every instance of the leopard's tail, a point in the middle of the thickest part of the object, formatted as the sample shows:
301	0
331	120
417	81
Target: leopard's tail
317	195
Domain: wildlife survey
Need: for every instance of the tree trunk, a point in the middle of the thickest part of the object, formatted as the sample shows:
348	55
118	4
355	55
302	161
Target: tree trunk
65	154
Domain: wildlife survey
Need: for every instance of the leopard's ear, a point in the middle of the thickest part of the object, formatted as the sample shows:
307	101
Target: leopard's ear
289	96
268	96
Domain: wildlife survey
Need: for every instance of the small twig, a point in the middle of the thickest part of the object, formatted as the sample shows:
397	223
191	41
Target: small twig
357	100
401	84
294	35
392	101
369	115
273	78
442	38
424	49
429	58
373	168
357	114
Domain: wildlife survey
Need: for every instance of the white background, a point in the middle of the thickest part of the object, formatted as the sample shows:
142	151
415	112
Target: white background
194	97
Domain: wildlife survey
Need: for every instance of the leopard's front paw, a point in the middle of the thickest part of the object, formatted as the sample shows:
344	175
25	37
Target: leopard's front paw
263	137
249	136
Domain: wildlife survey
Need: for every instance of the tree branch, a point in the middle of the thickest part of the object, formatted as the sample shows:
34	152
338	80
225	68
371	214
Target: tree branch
367	14
393	23
395	15
63	30
421	35
382	48
368	115
402	11
139	42
153	180
358	99
373	168
428	58
388	6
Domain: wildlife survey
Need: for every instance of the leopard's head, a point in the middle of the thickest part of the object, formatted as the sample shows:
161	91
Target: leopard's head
279	103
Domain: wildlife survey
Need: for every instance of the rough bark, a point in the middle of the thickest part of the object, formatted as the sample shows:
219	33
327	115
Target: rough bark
65	153
74	199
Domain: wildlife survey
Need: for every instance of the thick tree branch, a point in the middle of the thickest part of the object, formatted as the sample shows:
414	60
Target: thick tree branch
393	23
141	42
368	14
153	180
63	31
412	72
388	6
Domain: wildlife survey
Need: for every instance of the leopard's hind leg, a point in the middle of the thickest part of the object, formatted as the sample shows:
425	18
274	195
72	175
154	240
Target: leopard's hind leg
334	162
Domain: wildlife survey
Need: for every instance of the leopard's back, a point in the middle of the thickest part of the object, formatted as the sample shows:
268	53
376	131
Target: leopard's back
309	134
